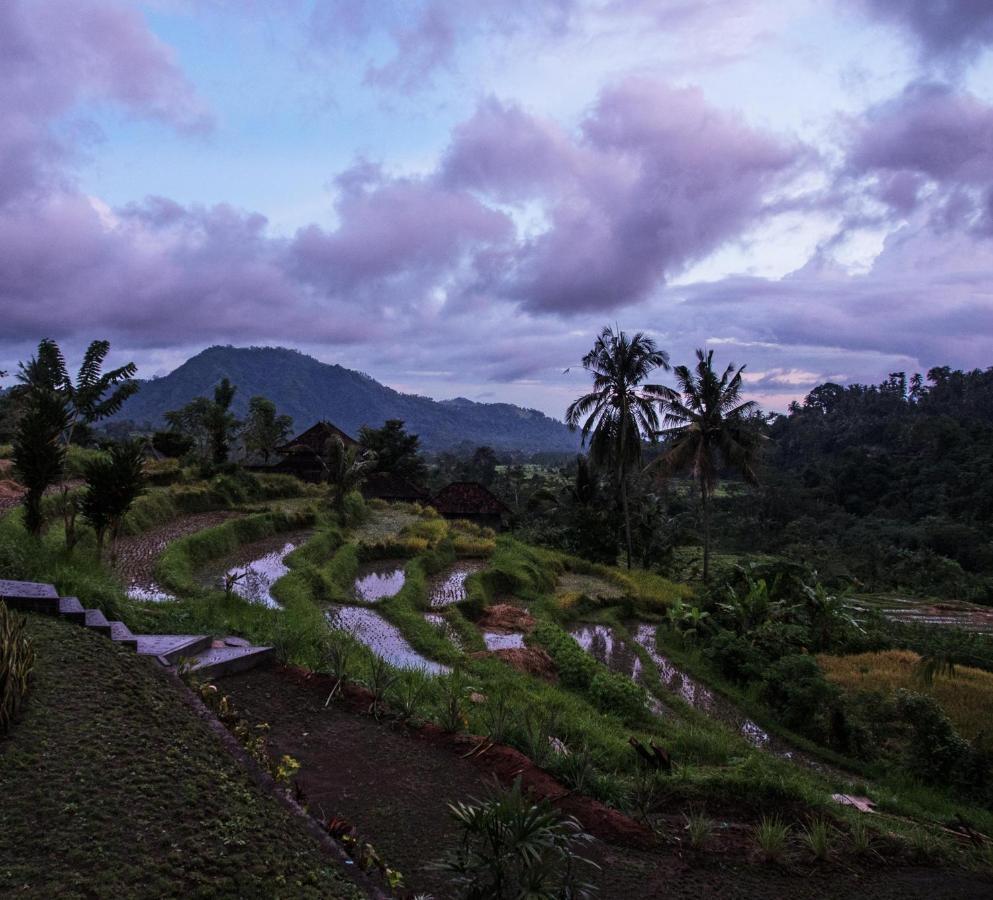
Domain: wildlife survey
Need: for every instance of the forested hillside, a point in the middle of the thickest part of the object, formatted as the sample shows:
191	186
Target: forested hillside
310	390
890	483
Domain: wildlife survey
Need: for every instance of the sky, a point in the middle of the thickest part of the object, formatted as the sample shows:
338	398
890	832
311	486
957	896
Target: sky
456	197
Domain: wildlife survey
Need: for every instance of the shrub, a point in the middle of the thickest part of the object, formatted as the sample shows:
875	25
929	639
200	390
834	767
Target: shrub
511	847
795	688
16	662
936	751
617	695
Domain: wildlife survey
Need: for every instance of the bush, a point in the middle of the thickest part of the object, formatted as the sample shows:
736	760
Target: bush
936	751
511	847
795	689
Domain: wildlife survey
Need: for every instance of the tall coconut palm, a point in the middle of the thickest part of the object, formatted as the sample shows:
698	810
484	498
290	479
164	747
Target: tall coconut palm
621	408
707	429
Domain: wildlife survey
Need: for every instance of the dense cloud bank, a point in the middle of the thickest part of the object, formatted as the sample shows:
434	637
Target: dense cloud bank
503	256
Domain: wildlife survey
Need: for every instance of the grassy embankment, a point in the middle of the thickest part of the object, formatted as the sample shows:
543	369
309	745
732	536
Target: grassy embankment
112	786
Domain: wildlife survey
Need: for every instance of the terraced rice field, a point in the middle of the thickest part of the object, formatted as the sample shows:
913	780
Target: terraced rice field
378	580
382	637
937	613
257	567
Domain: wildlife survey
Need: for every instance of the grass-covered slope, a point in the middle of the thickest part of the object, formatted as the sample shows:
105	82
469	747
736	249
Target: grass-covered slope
111	786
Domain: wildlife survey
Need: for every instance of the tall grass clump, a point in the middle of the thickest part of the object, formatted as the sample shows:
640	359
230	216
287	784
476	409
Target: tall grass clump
772	836
16	663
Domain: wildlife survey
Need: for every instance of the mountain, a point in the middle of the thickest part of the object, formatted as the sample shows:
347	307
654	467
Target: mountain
309	390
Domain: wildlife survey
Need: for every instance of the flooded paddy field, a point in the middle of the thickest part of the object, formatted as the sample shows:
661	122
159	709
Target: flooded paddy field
382	637
931	612
256	566
379	579
448	586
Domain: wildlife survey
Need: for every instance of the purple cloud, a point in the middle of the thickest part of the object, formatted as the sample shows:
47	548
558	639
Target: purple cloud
426	34
57	53
656	179
930	146
949	30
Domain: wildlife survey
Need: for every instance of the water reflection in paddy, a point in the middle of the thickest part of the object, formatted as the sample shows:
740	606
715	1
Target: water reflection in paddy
449	586
382	637
697	694
445	628
255	567
497	640
379	579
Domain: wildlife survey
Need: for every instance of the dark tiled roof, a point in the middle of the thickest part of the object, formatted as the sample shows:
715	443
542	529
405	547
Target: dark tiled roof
316	437
467	498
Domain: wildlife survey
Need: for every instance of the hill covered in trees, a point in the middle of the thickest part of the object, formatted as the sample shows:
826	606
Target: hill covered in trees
889	483
309	390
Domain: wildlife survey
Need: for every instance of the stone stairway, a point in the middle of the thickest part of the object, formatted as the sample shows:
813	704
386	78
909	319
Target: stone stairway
198	653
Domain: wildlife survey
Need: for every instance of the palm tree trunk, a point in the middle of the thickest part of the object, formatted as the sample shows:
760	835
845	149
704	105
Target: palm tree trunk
706	531
627	515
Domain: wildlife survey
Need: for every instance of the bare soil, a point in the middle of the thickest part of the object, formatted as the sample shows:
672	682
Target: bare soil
394	783
138	553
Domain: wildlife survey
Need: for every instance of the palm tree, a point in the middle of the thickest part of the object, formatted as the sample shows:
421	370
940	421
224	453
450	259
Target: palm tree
707	429
95	395
621	408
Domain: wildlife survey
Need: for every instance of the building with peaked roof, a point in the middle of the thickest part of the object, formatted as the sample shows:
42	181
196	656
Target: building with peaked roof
471	501
303	455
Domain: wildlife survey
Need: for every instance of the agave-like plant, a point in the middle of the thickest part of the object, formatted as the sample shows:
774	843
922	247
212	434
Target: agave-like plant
511	847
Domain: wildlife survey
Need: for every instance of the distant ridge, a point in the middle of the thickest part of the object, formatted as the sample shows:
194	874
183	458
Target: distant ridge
310	390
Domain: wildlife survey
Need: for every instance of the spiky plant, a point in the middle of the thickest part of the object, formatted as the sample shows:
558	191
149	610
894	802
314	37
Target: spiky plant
707	428
345	468
621	410
16	662
511	847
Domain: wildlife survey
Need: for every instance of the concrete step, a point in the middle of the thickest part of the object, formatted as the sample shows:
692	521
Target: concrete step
70	608
96	621
170	648
30	596
223	660
121	634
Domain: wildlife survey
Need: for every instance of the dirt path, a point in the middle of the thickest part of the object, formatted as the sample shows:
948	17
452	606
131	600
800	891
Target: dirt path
138	553
395	785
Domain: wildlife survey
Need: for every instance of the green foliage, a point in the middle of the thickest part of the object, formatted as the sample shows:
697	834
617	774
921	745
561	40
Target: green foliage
172	444
936	751
620	411
611	692
112	485
39	453
345	469
698	829
264	430
708	429
396	450
795	689
16	663
510	847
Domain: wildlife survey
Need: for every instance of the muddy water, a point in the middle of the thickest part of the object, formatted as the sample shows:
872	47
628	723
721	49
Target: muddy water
378	580
382	637
149	592
258	565
448	586
498	640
